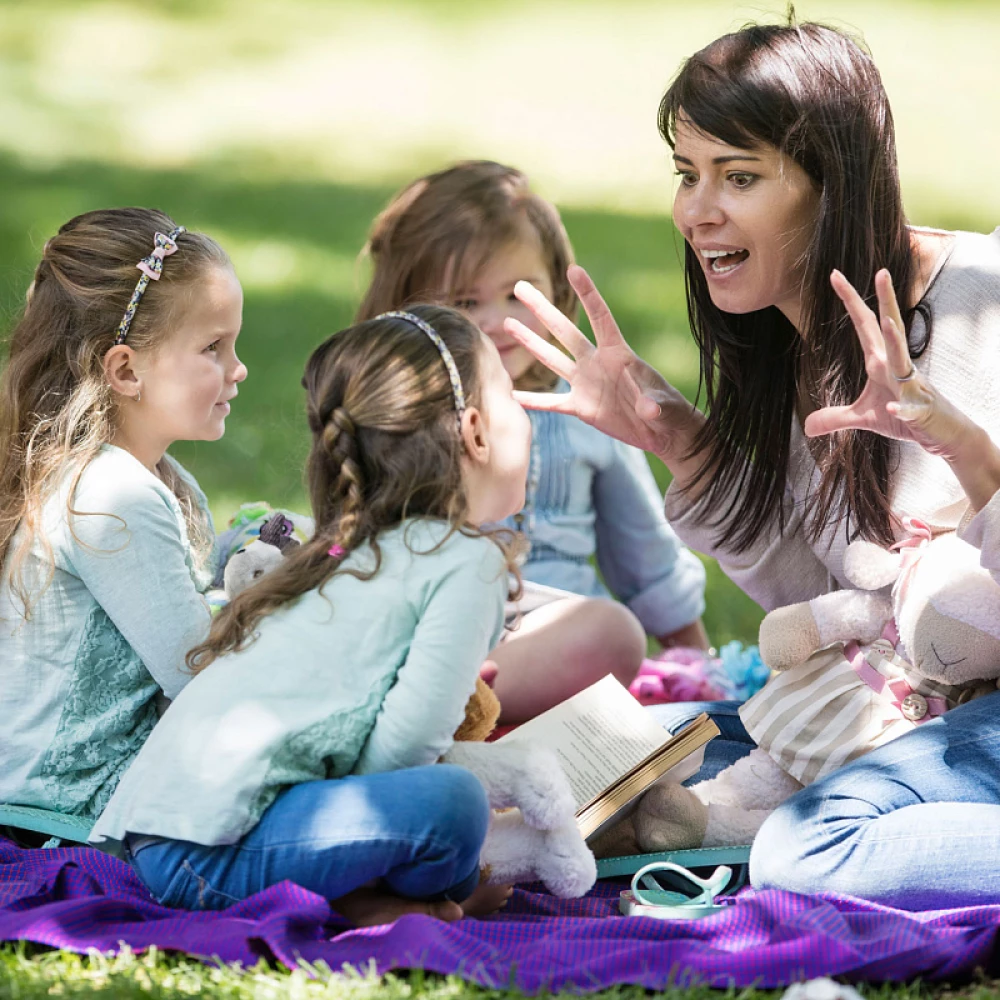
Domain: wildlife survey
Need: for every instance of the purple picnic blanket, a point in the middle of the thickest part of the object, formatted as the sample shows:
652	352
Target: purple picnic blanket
79	898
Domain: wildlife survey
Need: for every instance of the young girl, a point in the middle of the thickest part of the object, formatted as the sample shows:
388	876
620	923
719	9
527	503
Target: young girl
298	750
105	540
465	235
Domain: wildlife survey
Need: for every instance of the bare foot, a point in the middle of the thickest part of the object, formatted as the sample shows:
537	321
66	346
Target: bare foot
369	907
487	899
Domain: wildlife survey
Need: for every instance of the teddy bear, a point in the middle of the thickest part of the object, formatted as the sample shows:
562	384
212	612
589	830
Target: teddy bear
851	670
533	834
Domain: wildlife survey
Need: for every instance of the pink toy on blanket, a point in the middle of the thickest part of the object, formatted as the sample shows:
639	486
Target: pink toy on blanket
684	673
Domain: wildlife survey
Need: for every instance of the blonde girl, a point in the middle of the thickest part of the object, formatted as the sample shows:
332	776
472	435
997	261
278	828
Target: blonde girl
126	344
465	236
300	749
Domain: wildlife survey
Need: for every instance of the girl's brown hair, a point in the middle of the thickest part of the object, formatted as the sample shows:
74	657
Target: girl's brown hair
439	231
386	447
812	93
56	407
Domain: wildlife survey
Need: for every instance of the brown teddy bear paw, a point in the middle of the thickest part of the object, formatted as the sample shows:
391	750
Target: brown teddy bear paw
616	842
670	817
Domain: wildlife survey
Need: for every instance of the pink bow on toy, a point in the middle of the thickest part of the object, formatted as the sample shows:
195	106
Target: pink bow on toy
152	266
910	548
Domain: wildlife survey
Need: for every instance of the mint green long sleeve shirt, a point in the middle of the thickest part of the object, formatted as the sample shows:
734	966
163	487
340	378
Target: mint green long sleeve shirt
110	630
358	676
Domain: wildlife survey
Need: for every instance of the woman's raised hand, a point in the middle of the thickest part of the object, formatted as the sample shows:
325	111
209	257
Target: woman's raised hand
611	387
897	401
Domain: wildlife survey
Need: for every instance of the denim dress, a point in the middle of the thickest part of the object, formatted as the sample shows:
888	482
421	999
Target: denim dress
592	499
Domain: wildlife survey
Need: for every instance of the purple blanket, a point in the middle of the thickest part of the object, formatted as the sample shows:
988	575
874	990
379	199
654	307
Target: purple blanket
78	898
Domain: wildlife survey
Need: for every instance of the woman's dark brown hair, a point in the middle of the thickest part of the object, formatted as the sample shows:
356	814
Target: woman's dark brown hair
386	447
813	94
439	231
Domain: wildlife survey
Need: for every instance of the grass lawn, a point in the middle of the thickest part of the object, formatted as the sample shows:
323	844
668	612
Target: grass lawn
282	126
33	976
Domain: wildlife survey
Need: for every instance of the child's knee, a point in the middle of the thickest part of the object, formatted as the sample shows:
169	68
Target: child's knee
460	805
612	635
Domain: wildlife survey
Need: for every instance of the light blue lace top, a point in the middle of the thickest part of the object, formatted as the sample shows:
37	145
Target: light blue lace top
363	676
79	678
588	495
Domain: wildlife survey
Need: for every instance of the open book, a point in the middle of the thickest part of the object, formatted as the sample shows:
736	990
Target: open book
612	750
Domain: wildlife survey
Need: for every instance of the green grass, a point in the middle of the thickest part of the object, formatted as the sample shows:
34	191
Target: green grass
28	974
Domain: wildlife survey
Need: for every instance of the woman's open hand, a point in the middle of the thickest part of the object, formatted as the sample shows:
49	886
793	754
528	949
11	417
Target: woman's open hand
611	387
897	401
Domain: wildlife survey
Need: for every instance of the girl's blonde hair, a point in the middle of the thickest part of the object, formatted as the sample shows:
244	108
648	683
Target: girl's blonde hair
439	231
56	407
385	447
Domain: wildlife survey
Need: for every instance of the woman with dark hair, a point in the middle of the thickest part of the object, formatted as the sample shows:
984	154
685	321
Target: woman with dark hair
788	201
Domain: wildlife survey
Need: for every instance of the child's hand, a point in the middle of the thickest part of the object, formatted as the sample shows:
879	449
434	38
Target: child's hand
897	401
488	671
611	387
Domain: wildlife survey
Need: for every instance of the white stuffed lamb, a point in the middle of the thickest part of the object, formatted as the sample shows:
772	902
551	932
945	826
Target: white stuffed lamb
854	669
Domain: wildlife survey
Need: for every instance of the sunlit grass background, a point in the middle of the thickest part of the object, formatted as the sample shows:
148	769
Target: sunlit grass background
282	126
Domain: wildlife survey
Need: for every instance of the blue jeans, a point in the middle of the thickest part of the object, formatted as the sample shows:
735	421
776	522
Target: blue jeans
914	824
732	742
418	830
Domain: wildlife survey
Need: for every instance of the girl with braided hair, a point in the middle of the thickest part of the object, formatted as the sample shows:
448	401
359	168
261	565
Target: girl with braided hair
300	748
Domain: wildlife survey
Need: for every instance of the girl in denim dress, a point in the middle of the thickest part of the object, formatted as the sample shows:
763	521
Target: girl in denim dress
465	236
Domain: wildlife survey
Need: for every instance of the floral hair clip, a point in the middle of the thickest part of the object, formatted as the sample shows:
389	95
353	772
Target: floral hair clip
336	551
152	267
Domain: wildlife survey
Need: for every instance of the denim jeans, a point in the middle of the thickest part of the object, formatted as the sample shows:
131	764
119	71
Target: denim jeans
419	831
914	824
732	742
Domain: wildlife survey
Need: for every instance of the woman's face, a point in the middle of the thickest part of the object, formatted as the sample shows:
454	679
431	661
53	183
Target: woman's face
749	215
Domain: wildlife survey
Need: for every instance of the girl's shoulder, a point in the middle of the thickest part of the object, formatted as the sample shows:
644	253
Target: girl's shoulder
430	548
116	484
115	478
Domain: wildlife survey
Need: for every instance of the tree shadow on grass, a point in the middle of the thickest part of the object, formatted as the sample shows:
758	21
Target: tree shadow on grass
312	291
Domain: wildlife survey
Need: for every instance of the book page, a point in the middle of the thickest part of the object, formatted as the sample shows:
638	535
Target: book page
598	735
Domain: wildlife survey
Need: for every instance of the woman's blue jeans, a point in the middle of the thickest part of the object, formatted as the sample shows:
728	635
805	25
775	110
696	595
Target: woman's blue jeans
417	832
914	824
732	742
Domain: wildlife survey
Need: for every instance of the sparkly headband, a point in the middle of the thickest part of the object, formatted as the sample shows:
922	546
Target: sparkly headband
449	362
152	268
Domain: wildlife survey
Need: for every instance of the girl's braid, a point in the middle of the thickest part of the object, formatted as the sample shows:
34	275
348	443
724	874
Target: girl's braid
341	445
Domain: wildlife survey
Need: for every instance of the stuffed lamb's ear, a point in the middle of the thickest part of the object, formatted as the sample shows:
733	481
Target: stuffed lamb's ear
869	566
